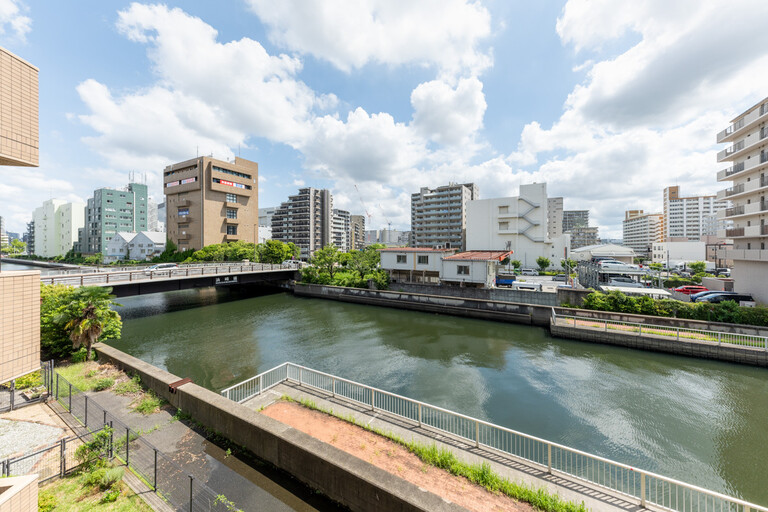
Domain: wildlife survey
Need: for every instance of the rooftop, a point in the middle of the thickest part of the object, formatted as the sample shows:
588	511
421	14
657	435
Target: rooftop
415	249
480	255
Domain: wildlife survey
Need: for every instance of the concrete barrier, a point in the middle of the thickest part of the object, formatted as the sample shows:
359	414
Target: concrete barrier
346	479
728	353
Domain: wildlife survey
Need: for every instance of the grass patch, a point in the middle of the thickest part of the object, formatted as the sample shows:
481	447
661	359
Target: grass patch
481	474
129	387
88	376
74	494
150	403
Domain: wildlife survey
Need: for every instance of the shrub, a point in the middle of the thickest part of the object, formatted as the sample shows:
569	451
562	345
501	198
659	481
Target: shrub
110	496
29	380
110	477
46	501
149	404
129	387
103	384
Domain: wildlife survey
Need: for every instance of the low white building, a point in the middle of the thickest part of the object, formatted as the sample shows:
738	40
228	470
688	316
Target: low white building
413	265
265	233
140	246
518	224
679	252
617	252
472	268
56	225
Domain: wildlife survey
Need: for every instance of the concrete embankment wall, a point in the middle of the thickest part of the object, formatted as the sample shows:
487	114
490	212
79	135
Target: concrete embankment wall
528	314
35	263
340	476
742	355
562	296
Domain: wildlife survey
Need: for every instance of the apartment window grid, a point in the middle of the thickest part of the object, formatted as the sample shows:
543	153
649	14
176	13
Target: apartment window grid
462	270
231	198
231	230
423	260
231	213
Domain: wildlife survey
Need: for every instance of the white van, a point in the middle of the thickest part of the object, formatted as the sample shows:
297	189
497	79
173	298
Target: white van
526	287
529	272
160	266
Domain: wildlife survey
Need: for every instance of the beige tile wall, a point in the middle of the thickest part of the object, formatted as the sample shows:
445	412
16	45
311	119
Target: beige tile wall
19	136
19	323
18	494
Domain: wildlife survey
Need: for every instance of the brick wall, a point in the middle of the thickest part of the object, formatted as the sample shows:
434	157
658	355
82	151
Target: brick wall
19	323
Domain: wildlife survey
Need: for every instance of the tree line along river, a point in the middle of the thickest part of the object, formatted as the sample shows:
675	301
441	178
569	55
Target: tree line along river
703	422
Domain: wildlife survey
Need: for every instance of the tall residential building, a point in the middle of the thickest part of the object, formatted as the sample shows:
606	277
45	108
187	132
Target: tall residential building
439	216
748	194
582	236
641	230
555	216
210	201
518	224
3	235
19	136
56	227
110	211
689	217
340	229
356	232
29	237
575	219
306	220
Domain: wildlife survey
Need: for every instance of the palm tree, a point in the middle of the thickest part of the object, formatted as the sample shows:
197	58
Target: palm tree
88	314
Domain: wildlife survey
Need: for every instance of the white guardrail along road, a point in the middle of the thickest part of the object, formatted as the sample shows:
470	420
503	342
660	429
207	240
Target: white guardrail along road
643	487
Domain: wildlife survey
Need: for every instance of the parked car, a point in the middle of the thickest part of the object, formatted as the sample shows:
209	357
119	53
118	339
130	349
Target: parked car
160	266
626	282
696	296
529	272
691	289
722	272
717	298
560	277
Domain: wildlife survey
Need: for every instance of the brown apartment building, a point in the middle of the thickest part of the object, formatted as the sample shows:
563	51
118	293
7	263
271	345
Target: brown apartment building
210	201
19	138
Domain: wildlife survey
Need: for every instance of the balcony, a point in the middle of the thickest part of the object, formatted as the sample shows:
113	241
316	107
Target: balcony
743	254
734	232
736	210
744	124
182	202
232	221
184	236
232	238
230	204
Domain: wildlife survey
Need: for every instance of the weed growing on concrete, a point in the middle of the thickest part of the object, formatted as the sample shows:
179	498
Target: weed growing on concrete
129	387
481	474
151	403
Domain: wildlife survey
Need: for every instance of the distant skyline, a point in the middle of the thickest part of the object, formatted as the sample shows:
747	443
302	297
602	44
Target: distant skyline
607	101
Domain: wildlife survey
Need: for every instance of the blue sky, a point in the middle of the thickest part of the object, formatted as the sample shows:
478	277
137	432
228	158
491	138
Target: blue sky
607	101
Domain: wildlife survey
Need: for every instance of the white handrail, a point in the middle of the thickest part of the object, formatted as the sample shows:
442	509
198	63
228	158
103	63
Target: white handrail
644	475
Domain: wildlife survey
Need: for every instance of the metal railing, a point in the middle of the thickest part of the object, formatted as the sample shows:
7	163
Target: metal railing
10	398
129	276
643	487
161	473
661	331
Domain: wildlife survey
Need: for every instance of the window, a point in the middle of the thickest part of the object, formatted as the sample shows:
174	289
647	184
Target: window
231	184
503	226
503	209
402	258
462	270
183	212
231	198
231	230
231	213
423	260
233	173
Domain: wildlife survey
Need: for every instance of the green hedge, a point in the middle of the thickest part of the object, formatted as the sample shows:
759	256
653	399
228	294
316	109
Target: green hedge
727	312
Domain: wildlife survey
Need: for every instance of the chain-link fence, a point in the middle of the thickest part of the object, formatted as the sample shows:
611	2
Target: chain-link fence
160	473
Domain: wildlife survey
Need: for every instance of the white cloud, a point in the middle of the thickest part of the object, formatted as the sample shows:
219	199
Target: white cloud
11	17
449	115
646	117
442	33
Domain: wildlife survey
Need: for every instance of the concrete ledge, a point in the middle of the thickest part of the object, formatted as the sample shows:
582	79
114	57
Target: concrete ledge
741	355
352	482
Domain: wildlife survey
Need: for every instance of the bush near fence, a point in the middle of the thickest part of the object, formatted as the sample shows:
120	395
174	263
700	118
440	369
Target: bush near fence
726	312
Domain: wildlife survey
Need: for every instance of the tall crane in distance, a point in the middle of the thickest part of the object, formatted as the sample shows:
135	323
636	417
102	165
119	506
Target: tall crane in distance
365	209
389	224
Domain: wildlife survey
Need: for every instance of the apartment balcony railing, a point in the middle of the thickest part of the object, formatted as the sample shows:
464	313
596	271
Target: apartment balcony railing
733	232
738	189
731	150
735	126
736	210
730	171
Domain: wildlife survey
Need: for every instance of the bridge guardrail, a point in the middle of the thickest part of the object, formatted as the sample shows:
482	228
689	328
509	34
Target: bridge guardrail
661	331
643	487
122	277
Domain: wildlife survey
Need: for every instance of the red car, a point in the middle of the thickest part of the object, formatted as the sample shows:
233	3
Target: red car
690	289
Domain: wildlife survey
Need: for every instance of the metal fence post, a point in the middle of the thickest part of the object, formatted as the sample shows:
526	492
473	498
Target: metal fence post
13	393
301	375
549	458
57	386
333	386
111	441
419	415
642	490
154	482
86	410
127	445
261	387
191	482
373	399
105	418
719	340
477	434
70	398
63	458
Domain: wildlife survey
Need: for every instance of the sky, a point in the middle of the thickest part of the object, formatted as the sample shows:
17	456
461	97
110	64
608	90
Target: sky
607	101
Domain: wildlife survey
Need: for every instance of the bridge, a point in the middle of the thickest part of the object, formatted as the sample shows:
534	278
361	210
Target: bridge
125	283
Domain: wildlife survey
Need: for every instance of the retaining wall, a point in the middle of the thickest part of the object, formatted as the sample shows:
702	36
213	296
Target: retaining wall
741	355
340	476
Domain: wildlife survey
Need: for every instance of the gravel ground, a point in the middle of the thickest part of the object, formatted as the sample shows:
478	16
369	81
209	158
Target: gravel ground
18	437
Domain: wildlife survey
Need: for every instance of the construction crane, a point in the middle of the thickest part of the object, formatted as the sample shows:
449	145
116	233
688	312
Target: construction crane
389	224
365	209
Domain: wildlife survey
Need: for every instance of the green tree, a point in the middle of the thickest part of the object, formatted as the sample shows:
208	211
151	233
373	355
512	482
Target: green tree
543	263
326	260
88	316
275	251
698	267
656	266
61	304
570	263
14	248
516	264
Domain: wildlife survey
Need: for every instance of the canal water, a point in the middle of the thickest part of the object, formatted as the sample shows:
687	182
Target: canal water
699	421
7	267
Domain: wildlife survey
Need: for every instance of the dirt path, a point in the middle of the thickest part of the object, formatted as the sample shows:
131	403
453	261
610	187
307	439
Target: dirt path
392	457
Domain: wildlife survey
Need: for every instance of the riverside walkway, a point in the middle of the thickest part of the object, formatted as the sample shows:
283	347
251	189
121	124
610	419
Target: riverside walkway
577	476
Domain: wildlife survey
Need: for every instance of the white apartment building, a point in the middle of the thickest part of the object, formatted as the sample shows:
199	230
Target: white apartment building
690	217
641	230
412	265
439	216
678	252
519	224
555	216
56	225
748	174
134	246
306	220
341	230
